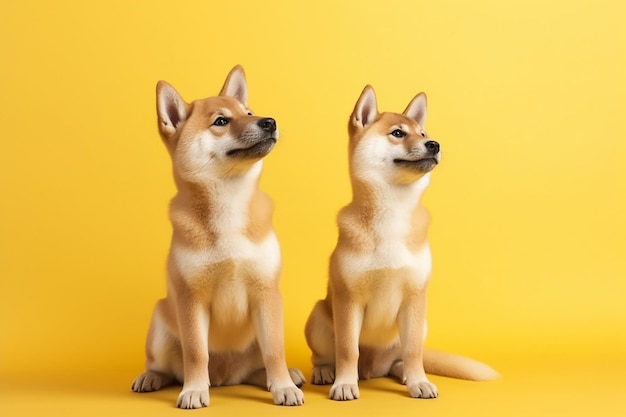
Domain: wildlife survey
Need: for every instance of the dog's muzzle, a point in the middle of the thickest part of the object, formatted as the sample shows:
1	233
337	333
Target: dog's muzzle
262	145
424	164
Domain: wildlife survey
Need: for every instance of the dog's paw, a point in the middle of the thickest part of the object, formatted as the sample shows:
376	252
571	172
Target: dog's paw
423	389
150	381
344	392
288	396
193	398
322	375
297	377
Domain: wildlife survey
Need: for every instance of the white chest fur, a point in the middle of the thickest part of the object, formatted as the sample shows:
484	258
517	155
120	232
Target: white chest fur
229	218
390	231
263	258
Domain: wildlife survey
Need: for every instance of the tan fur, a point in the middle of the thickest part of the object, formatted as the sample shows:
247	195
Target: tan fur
222	320
372	322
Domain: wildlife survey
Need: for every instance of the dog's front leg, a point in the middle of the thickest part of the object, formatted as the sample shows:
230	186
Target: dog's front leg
348	319
193	322
412	327
268	322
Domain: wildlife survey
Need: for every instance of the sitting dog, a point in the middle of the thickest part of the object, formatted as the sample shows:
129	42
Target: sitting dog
372	322
222	320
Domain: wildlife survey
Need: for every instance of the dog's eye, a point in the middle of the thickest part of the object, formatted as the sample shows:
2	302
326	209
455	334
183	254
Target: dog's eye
220	121
249	113
423	134
398	133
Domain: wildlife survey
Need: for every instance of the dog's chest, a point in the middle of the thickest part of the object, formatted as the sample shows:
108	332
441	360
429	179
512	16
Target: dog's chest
382	294
388	249
231	257
381	281
224	241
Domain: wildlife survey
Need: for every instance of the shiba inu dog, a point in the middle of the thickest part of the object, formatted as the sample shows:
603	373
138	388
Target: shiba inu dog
372	322
222	320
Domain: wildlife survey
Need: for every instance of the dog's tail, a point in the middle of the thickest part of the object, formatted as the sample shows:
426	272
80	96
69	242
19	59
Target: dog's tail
455	366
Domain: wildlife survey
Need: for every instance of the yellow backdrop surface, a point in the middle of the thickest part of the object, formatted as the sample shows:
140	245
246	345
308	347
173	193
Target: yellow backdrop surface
526	97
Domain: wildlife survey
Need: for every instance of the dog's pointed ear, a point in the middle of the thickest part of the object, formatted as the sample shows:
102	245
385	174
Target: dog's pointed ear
416	109
235	85
171	109
365	110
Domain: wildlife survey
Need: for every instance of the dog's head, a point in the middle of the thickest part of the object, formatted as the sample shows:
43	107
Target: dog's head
390	147
216	136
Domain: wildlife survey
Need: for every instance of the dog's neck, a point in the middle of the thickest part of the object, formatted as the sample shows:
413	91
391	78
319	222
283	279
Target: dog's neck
220	189
382	213
387	199
218	207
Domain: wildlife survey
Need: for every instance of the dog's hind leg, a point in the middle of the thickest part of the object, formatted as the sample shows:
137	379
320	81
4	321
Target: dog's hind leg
320	337
151	381
163	356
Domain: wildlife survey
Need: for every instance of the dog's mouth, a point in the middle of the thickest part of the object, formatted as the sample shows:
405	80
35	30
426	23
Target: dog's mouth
423	165
258	150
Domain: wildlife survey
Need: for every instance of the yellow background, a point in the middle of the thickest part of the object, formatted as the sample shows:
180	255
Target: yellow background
526	97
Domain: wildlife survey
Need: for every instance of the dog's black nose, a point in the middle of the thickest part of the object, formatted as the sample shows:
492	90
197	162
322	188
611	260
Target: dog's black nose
268	124
432	147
